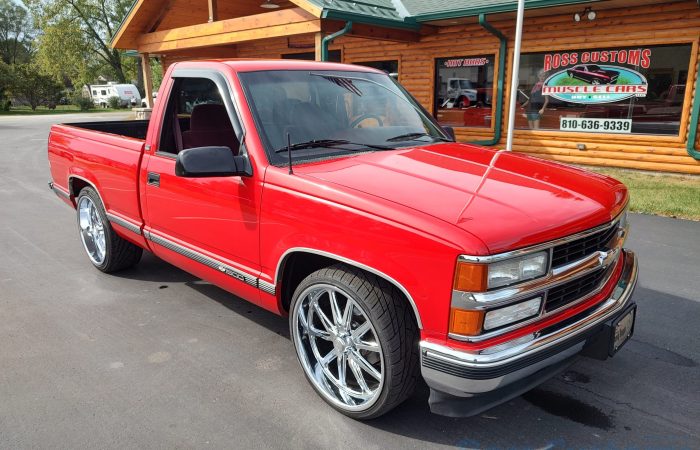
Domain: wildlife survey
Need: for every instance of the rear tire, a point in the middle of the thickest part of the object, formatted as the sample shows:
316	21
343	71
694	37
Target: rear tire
107	251
375	341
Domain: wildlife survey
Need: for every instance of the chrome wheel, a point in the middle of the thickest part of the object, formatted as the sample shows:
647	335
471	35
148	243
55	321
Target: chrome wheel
338	347
92	231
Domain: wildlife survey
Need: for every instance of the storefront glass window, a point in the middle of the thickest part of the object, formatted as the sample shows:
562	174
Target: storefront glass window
333	56
632	90
390	66
463	90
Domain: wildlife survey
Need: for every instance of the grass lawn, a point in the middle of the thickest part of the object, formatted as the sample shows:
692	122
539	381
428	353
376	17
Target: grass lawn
663	195
60	109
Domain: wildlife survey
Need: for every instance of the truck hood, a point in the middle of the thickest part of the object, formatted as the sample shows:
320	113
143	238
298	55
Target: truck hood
507	200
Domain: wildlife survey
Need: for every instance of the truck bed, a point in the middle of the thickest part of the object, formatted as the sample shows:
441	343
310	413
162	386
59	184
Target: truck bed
132	128
103	154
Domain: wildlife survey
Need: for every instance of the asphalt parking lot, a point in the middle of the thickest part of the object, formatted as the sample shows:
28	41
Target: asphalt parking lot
154	358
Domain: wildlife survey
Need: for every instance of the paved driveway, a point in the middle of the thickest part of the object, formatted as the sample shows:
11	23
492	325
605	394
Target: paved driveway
154	358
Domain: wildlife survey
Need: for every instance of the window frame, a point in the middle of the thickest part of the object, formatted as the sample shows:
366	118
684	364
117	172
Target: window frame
494	86
227	95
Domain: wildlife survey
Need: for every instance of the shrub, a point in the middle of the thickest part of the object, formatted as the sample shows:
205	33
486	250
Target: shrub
114	102
84	103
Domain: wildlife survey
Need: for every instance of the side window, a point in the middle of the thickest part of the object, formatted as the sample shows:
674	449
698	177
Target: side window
195	116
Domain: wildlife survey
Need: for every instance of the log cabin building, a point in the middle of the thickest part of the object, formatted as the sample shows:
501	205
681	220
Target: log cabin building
608	83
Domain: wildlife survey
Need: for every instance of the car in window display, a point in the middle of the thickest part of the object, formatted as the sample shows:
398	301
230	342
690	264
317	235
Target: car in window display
593	74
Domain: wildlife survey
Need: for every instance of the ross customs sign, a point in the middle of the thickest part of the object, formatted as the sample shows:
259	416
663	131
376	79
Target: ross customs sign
584	79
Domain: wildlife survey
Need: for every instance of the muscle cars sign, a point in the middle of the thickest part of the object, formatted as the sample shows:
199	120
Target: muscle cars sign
596	76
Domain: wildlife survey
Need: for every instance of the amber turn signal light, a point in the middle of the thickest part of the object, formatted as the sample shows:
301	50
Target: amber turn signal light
466	323
470	277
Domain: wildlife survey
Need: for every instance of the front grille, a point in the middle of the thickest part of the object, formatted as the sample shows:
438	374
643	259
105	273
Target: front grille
573	290
580	248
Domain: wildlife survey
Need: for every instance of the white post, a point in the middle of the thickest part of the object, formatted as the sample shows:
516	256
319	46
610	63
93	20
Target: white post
514	82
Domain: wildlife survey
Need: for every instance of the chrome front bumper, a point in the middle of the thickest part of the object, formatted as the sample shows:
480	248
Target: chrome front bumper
507	370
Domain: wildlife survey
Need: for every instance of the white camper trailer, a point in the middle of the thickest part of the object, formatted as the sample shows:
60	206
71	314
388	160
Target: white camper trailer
128	94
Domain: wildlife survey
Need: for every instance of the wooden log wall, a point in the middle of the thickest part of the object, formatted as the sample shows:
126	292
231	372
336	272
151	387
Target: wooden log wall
663	23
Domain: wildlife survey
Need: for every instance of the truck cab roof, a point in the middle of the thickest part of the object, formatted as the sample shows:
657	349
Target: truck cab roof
253	65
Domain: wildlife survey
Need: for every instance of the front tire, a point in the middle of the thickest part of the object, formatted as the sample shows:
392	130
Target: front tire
356	339
107	251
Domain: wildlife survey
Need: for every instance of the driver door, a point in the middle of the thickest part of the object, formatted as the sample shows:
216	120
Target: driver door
210	224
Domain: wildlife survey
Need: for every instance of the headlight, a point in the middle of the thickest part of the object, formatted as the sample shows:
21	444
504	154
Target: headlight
516	270
511	314
475	277
473	322
479	277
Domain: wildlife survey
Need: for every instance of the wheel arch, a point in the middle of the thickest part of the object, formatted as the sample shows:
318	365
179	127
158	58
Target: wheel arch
77	183
319	259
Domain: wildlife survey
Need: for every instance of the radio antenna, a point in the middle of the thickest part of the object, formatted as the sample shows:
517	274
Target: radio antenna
289	153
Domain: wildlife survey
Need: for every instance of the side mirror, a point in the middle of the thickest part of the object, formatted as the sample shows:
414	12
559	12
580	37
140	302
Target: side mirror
450	132
202	162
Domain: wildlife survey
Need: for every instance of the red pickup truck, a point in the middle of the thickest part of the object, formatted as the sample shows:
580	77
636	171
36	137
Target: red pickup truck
326	193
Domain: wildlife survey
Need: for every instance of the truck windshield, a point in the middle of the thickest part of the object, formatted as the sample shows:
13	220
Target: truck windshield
324	114
465	84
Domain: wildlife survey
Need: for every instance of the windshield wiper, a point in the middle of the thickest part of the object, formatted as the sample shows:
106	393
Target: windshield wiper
412	136
319	143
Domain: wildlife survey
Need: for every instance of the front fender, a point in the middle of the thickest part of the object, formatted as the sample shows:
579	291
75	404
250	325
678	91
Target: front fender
418	260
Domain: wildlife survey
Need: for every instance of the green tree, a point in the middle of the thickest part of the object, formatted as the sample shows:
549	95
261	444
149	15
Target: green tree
75	36
5	84
63	54
30	87
16	33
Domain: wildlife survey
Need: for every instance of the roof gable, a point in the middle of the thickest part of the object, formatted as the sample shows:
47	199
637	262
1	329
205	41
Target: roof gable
387	13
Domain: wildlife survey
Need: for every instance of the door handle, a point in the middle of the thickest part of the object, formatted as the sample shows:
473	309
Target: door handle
153	179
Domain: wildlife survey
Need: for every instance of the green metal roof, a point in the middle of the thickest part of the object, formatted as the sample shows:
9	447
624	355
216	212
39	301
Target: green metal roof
377	12
382	9
427	10
410	12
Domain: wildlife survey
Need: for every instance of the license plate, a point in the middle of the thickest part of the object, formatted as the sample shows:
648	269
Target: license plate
623	330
